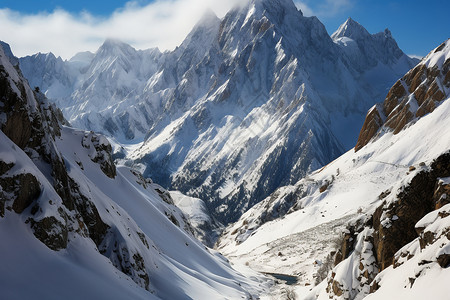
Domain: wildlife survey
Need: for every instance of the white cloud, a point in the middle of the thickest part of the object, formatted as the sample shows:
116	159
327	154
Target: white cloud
162	24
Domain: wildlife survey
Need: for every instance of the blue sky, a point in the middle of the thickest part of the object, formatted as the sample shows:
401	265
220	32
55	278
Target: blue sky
31	26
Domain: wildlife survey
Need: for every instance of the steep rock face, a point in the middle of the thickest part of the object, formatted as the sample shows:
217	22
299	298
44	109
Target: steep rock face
419	260
379	238
416	94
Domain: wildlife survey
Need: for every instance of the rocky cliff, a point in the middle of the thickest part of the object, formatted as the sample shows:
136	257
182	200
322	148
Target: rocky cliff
416	94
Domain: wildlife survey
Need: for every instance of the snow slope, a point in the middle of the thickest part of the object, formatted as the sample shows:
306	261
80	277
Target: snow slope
95	231
294	230
244	105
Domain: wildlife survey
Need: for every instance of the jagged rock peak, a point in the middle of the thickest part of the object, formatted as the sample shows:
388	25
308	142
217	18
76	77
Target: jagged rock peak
273	9
387	33
203	33
208	17
209	22
351	29
7	49
83	56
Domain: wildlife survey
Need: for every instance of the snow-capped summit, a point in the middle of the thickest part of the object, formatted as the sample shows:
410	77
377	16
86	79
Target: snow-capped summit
350	29
370	49
50	73
114	48
280	10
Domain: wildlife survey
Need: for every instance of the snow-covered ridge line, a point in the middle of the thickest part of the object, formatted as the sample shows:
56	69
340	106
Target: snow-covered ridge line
95	231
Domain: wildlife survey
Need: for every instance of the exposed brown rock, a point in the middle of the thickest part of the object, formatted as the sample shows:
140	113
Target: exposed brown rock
415	77
28	190
372	124
425	85
17	125
323	188
392	99
337	289
441	46
426	238
399	118
338	257
22	190
434	92
441	195
374	287
427	107
411	206
413	203
334	286
444	260
420	93
346	246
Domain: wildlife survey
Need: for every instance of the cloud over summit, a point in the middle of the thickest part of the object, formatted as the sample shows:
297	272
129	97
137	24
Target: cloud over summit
162	24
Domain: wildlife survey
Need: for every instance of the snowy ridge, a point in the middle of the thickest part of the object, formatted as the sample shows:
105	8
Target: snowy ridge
98	231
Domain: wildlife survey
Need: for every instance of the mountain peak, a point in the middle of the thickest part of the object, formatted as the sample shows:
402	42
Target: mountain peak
275	6
7	49
114	47
351	29
387	33
208	17
112	42
203	32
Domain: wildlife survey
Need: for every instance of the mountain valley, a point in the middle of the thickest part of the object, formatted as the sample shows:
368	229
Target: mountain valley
263	158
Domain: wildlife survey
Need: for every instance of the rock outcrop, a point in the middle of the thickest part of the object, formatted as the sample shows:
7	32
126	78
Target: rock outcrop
416	94
373	243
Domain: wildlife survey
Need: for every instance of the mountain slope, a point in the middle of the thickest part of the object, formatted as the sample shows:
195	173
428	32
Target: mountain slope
95	231
416	94
372	221
265	120
246	104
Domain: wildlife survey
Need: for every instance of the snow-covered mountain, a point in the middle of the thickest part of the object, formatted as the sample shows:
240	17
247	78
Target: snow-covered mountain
244	105
75	226
375	222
